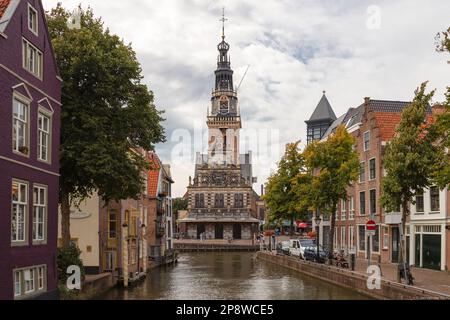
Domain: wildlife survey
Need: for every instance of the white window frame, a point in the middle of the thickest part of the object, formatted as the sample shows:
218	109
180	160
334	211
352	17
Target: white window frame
17	204
35	66
370	177
343	237
41	277
351	238
385	237
364	140
41	204
362	165
44	134
25	103
351	214
35	30
343	209
17	276
439	200
31	281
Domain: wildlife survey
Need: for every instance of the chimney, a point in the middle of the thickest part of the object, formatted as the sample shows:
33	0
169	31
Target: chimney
262	189
366	100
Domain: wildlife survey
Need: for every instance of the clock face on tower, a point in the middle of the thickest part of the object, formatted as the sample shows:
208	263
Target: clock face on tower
223	104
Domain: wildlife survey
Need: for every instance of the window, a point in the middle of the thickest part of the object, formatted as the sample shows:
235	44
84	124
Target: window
32	59
385	238
32	20
239	200
343	238
199	200
112	224
20	127
373	201
335	238
19	211
420	208
362	203
41	278
351	203
29	280
343	210
17	284
219	200
434	199
361	238
372	169
362	172
39	212
43	137
110	260
366	140
376	240
351	238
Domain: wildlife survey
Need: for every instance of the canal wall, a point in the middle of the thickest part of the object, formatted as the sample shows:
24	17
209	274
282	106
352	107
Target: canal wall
352	280
207	247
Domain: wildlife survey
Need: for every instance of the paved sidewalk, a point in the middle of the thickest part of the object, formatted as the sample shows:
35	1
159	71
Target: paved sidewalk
433	280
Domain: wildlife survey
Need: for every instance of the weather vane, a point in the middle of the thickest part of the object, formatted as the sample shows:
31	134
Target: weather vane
223	23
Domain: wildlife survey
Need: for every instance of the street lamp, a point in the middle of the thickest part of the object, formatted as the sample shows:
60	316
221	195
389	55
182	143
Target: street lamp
317	220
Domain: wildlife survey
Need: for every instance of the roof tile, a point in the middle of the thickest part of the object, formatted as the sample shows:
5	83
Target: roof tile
3	6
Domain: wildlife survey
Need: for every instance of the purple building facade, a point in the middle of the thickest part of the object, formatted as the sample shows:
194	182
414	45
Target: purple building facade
30	104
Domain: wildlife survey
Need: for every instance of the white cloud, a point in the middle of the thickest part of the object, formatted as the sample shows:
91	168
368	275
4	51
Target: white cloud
295	48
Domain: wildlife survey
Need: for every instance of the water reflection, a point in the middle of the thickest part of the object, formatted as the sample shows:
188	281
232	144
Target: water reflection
200	276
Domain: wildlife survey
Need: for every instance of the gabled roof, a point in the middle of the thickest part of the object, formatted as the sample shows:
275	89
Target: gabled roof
323	111
7	9
153	174
3	6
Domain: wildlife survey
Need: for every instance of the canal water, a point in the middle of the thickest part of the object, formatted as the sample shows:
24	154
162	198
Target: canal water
228	276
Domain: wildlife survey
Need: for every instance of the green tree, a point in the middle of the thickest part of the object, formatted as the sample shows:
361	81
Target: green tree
281	199
107	112
179	204
410	159
442	174
335	165
443	120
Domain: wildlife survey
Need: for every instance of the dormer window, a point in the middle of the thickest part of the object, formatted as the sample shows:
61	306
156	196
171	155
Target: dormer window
32	19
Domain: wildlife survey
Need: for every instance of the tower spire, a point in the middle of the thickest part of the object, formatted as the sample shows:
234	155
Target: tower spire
223	23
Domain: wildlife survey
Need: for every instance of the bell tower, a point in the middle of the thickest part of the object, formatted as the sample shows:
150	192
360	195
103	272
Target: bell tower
224	120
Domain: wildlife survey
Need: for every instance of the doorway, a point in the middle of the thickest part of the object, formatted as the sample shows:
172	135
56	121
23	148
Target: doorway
218	231
431	251
237	232
395	245
200	229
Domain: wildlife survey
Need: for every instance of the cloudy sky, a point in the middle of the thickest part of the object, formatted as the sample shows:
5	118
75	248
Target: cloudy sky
295	49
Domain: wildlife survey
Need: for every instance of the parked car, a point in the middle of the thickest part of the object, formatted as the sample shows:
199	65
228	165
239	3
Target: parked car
310	254
297	247
285	246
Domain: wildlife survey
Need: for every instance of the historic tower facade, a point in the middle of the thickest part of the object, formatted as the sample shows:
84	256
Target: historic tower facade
222	203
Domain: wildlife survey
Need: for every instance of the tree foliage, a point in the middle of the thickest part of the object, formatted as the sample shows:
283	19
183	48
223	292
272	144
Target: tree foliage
442	176
335	165
411	158
179	204
281	199
107	112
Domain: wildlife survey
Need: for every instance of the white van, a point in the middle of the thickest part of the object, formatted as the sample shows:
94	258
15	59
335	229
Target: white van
297	247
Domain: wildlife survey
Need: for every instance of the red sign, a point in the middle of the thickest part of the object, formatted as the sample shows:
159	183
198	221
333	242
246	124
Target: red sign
371	225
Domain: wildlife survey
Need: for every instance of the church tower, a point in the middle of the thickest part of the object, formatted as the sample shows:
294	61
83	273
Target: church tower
224	120
221	201
321	119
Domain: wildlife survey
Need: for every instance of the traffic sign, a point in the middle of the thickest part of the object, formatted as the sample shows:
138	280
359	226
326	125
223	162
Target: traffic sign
371	225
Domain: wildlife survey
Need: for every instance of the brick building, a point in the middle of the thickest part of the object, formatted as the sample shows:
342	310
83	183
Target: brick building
373	125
